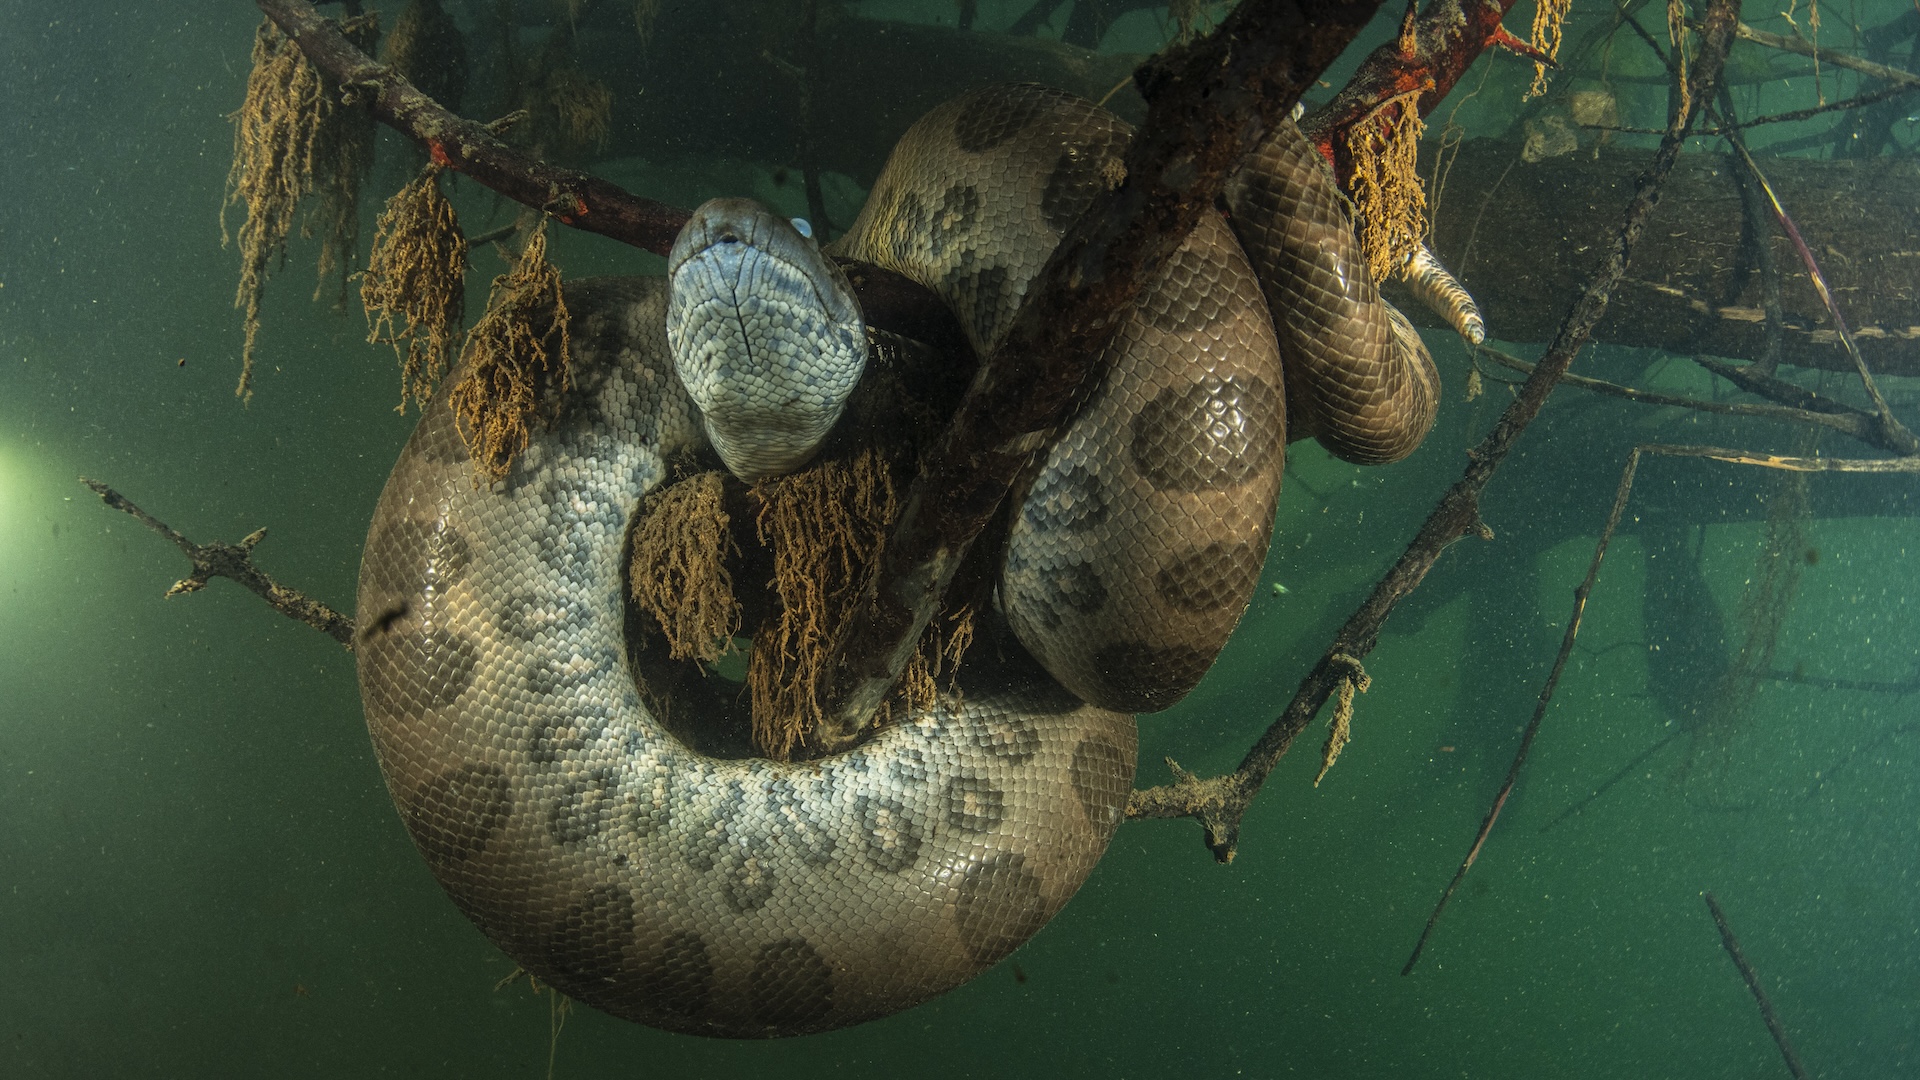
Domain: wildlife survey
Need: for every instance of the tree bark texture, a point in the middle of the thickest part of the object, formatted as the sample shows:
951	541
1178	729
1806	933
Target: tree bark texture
1522	236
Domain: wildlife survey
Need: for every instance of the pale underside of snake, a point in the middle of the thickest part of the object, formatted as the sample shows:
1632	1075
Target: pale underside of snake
753	898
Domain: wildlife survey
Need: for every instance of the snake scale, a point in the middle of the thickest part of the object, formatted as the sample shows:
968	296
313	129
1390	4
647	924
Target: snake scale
752	898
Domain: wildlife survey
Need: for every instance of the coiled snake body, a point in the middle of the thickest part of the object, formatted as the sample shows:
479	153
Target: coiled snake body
750	898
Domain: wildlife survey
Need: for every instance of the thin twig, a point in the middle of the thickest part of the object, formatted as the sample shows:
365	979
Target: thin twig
1620	774
1840	418
1580	595
1732	945
1757	242
1807	48
1896	433
1861	101
234	561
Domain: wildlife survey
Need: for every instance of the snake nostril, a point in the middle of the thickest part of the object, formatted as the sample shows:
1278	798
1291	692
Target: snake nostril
729	238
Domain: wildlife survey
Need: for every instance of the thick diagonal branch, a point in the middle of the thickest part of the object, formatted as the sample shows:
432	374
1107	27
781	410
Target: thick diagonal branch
1208	104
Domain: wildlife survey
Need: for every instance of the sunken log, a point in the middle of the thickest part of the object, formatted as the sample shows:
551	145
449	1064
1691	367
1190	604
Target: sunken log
1522	235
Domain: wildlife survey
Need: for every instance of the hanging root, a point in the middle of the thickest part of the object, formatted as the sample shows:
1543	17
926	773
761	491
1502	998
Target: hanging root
290	136
1549	19
1342	730
515	358
1677	34
344	147
825	525
426	48
582	108
1387	193
273	134
646	13
416	274
679	569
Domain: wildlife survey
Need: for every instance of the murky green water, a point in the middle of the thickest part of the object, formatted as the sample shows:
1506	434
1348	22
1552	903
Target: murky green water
201	873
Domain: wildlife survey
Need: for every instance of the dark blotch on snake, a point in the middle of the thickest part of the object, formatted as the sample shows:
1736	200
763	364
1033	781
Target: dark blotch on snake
1000	906
986	290
974	804
411	671
798	824
1148	678
677	977
892	835
650	807
909	232
701	847
953	221
1077	587
562	738
1207	435
527	618
791	987
1071	500
582	807
1210	578
1053	594
586	949
1102	773
454	816
556	675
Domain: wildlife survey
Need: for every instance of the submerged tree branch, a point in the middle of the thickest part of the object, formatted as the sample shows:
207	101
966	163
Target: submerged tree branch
1767	1015
890	301
1800	406
1219	803
234	561
1434	49
1807	48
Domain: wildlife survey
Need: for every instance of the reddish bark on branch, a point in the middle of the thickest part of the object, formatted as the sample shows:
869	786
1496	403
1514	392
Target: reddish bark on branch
1432	51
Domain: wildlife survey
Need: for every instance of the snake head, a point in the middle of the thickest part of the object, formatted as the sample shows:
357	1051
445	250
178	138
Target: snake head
765	332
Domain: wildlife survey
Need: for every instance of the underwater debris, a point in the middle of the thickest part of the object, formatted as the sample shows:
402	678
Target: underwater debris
416	272
515	358
292	138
